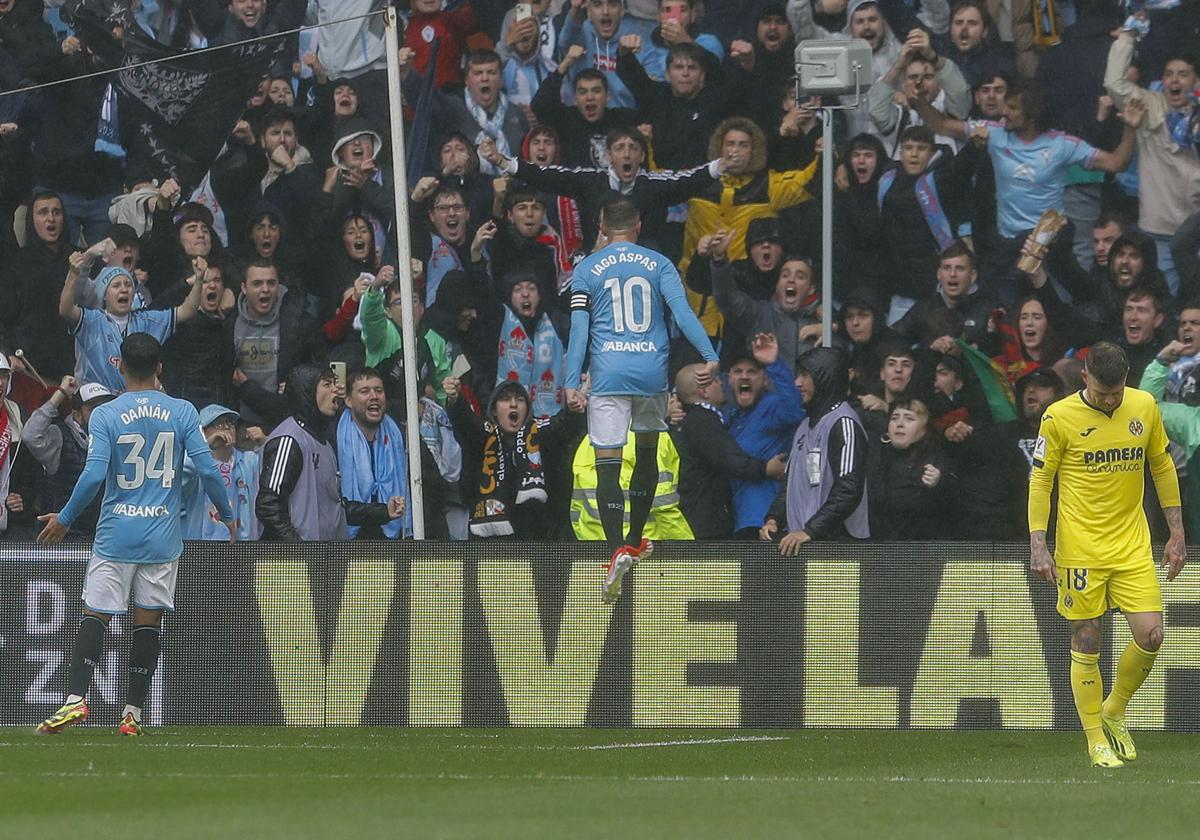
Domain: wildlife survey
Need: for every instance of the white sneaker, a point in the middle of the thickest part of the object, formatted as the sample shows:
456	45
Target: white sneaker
622	561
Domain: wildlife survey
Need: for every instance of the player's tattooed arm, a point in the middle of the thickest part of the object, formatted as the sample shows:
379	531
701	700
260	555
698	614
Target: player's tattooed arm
1175	552
1040	561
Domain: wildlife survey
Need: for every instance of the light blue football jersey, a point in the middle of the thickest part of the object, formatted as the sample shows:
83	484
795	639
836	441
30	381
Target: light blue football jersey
136	451
620	297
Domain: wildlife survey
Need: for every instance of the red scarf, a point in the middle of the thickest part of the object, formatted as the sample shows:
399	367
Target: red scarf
562	254
571	224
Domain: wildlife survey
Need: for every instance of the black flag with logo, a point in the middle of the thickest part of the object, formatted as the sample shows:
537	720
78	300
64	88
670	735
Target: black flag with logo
174	116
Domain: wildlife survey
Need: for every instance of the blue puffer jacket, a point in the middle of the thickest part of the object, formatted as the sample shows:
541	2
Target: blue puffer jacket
764	431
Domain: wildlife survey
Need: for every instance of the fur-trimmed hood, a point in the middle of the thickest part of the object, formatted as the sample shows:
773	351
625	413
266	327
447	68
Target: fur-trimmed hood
758	142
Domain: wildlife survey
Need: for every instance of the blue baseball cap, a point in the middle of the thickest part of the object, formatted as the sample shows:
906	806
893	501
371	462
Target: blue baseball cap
211	413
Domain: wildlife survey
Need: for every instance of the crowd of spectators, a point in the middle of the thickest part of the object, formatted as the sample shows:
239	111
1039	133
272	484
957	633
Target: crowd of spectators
955	326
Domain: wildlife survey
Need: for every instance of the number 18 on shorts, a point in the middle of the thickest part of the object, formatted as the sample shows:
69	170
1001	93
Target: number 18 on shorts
1090	593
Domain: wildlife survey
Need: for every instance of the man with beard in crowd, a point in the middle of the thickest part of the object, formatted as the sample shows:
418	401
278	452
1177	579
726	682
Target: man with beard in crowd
710	459
761	423
299	495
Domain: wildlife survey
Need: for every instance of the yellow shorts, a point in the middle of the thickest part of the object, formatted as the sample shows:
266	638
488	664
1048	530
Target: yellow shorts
1090	593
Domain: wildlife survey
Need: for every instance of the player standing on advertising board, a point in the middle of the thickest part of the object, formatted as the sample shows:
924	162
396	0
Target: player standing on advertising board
619	301
136	451
1098	442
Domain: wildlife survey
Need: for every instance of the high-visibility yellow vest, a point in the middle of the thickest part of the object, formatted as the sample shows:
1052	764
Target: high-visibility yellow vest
666	520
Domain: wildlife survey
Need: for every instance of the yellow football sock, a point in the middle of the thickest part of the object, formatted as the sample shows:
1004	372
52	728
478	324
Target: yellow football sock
1132	669
1088	687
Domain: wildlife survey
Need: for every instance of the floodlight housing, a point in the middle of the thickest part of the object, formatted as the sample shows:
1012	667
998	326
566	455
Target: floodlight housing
833	68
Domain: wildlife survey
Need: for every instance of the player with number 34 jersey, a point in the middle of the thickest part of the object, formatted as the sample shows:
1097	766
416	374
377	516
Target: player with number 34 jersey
136	450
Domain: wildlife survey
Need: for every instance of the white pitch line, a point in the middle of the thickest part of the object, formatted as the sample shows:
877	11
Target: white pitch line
690	741
485	777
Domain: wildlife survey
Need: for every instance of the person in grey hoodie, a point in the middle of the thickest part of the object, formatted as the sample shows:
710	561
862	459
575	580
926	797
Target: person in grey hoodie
271	335
792	314
865	19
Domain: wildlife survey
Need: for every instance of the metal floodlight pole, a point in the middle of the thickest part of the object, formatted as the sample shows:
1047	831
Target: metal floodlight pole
408	331
827	164
827	228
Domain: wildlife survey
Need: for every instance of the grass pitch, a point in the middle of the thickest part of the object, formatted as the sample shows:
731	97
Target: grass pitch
427	783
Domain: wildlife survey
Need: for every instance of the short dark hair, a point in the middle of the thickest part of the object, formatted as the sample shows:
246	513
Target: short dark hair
687	50
140	356
918	134
446	188
259	262
619	213
792	256
1107	364
990	75
956	249
1146	291
630	132
278	115
519	192
361	374
897	348
1112	217
1035	103
593	75
482	57
1186	56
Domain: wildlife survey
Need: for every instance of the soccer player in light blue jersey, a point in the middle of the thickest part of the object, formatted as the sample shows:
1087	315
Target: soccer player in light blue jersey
136	451
620	297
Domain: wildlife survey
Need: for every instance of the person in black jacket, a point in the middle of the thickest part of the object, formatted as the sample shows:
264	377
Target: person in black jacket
69	155
176	238
757	275
514	507
770	62
974	44
525	241
957	290
277	169
245	19
29	39
863	326
198	360
684	110
290	510
909	477
651	192
858	258
584	128
835	473
926	178
709	457
31	286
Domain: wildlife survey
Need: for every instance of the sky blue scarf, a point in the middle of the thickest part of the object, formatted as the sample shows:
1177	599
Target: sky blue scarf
374	472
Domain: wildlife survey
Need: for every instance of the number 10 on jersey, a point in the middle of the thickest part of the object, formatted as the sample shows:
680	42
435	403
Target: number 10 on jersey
624	311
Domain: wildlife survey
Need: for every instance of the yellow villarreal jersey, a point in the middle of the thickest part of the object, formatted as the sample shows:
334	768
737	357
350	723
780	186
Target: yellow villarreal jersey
1100	461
